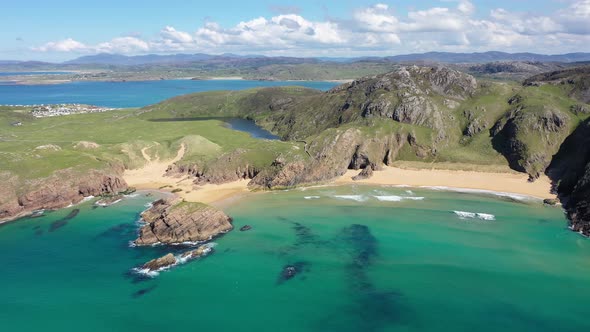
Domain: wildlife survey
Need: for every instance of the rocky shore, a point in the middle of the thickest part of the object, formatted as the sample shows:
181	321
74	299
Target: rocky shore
60	190
174	221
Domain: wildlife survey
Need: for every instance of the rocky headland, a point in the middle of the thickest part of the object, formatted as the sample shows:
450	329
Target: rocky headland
63	188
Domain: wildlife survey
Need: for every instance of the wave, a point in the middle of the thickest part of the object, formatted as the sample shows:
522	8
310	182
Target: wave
311	197
390	198
395	198
358	198
107	204
474	215
518	197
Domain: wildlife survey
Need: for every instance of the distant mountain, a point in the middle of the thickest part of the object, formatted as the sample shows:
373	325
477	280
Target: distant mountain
107	59
486	57
123	60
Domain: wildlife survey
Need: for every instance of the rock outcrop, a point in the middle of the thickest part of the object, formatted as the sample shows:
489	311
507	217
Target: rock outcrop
173	221
61	189
530	136
570	171
163	262
196	253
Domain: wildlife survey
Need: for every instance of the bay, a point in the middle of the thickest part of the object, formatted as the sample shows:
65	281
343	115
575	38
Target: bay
370	258
129	94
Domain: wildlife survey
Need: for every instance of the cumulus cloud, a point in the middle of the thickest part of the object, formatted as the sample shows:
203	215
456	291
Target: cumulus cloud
66	45
374	30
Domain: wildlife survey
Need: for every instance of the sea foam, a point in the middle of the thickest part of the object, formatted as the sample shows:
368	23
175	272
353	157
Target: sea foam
518	197
474	215
358	198
395	198
311	197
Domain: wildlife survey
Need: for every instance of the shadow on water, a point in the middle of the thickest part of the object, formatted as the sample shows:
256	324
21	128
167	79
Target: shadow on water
63	221
143	291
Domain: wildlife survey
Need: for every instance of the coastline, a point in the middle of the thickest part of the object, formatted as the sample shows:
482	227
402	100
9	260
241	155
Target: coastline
152	177
508	182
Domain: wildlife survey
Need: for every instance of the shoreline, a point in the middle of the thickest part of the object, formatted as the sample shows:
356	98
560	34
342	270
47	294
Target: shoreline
456	180
152	177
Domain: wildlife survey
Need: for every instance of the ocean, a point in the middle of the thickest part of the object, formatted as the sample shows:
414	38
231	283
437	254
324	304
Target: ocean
128	94
370	258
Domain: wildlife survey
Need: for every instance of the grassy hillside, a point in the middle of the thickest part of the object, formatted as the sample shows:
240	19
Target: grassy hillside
42	146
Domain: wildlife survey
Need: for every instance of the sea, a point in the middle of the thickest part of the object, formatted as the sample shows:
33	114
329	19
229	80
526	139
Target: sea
128	94
367	258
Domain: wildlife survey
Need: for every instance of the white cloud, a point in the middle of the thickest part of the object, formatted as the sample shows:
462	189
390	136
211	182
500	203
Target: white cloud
66	45
169	33
373	30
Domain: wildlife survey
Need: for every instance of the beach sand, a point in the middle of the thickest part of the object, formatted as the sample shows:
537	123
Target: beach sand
151	176
506	182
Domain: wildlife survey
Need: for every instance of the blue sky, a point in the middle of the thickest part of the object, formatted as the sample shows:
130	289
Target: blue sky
63	29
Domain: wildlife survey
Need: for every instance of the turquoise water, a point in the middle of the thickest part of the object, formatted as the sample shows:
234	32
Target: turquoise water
405	263
128	94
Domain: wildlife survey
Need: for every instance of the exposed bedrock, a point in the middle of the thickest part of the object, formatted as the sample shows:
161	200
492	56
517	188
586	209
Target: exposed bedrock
174	221
61	189
570	172
336	152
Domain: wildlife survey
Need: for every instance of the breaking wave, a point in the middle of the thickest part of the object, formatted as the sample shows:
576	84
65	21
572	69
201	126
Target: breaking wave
514	196
311	197
358	198
395	198
475	215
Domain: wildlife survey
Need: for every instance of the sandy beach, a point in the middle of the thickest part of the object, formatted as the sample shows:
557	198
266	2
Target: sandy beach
152	176
506	182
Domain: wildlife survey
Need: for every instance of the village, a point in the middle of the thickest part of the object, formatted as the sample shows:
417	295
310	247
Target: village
42	111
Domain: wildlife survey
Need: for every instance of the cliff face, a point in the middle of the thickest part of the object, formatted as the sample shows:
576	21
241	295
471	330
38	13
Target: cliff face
529	137
570	171
170	221
63	188
337	150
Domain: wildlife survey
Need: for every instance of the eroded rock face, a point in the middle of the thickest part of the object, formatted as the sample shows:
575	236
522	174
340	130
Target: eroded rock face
172	221
63	188
529	138
160	263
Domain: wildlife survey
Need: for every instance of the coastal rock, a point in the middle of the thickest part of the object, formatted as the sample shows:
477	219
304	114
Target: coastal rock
366	173
109	200
528	136
160	263
290	271
196	253
245	228
59	190
173	221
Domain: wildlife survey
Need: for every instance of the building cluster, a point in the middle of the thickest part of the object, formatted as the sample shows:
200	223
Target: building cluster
42	111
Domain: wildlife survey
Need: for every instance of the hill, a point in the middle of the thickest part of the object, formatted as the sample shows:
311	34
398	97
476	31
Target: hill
411	114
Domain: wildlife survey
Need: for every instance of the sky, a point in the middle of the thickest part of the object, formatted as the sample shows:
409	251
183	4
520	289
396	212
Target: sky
59	30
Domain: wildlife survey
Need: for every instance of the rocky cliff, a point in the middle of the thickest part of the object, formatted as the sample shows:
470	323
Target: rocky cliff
173	221
61	189
570	171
